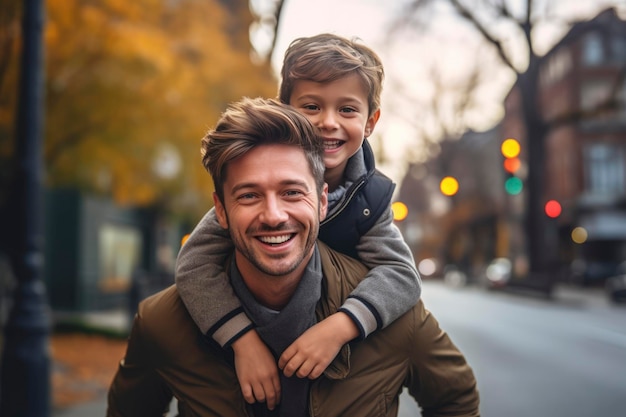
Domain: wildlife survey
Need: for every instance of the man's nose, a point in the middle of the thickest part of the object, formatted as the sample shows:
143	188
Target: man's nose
274	211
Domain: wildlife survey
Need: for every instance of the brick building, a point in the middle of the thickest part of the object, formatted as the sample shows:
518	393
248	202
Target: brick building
582	98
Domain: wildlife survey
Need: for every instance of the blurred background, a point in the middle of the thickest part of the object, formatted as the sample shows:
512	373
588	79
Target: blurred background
503	124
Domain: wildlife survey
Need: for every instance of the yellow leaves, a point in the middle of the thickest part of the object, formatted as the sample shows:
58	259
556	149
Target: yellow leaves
125	76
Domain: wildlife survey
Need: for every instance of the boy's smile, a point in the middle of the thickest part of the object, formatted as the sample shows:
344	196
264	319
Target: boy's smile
339	109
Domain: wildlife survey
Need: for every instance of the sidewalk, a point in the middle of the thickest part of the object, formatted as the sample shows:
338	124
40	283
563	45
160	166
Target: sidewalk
84	362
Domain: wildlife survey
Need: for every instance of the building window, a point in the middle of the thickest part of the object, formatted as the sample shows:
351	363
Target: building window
621	101
618	49
594	93
606	171
120	248
593	54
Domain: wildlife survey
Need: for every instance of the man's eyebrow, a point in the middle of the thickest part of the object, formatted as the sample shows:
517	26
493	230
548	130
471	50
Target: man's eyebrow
252	185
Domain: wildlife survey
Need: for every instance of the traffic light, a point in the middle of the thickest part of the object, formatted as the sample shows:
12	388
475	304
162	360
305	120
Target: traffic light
511	149
553	209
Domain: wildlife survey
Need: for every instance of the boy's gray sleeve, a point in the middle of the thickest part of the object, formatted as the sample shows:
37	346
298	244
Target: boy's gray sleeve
392	286
203	285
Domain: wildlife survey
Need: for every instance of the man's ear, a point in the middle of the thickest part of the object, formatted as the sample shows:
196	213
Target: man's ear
220	212
324	202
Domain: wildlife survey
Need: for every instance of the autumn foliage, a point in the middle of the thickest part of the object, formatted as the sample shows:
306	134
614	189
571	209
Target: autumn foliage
131	86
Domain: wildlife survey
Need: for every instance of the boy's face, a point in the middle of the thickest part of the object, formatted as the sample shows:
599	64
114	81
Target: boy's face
340	110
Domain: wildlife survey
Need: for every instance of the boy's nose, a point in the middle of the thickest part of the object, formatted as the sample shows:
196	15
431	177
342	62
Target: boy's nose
328	120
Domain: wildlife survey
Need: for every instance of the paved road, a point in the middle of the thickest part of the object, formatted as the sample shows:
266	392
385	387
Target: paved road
535	357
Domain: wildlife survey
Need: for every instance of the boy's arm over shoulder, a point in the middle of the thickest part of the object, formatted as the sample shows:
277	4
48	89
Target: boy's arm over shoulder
439	378
392	286
203	285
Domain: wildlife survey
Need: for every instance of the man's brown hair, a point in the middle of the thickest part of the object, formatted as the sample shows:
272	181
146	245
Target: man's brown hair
253	122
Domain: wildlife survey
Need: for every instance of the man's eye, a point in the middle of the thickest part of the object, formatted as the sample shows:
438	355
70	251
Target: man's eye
247	196
294	193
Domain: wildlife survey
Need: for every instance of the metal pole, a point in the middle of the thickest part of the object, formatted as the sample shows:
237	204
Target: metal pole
25	383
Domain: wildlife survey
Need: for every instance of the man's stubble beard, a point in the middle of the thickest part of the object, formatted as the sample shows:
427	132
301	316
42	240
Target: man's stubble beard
250	256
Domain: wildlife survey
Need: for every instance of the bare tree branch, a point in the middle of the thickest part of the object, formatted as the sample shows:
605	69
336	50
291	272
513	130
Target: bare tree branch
277	15
465	13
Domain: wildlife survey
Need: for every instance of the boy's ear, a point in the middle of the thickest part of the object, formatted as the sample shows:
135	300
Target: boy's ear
371	123
220	212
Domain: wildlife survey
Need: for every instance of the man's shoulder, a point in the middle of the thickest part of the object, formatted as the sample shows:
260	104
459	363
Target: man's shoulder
341	268
164	311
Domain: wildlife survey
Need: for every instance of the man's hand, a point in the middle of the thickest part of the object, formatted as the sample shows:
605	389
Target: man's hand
256	370
311	353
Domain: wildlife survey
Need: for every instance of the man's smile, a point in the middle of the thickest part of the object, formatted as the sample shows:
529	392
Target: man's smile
276	240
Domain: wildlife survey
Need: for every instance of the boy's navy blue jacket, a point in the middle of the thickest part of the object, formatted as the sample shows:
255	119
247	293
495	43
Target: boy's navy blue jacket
364	202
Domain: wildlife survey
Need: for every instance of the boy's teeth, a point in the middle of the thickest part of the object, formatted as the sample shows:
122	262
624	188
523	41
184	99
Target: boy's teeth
275	239
331	144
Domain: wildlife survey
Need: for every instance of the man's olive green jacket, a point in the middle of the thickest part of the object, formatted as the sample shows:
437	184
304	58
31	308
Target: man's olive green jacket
167	355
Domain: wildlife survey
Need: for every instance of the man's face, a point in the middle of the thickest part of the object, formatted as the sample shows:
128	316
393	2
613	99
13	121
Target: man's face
272	210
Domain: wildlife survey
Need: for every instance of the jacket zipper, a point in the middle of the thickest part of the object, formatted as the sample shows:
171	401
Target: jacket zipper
346	201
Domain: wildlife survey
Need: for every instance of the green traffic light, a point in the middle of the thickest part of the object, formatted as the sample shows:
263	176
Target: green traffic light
513	185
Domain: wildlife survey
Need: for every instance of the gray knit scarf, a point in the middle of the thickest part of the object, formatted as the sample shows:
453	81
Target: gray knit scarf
279	329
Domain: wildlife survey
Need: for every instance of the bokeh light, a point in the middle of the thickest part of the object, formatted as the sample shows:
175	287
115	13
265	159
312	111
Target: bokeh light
427	267
400	211
449	186
512	165
513	185
579	235
510	148
553	209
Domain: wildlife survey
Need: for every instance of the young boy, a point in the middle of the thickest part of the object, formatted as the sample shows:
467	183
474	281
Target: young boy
336	83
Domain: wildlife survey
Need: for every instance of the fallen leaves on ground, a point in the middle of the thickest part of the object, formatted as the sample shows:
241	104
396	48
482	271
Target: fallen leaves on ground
83	366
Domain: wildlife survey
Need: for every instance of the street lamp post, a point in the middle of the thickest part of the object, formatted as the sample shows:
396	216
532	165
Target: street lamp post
25	374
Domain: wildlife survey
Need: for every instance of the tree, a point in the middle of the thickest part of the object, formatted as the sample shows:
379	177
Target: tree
131	87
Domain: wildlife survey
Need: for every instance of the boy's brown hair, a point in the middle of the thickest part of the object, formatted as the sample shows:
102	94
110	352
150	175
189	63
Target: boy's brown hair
326	57
253	122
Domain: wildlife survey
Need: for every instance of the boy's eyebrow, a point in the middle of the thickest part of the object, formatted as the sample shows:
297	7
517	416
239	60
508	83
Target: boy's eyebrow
350	99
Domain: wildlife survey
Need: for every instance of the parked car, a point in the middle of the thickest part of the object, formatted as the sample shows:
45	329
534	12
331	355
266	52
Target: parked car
498	273
616	285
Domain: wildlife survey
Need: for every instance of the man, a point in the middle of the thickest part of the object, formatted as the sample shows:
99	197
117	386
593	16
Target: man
267	165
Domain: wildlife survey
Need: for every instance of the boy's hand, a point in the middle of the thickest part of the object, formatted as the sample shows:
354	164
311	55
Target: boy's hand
256	370
310	354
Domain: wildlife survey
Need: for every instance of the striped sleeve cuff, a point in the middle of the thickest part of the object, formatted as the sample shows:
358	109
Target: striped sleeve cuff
364	315
230	328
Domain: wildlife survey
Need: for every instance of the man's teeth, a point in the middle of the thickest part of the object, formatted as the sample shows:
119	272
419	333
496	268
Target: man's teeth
274	240
332	144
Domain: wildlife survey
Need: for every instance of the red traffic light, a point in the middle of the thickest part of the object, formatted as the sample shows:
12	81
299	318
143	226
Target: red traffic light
553	209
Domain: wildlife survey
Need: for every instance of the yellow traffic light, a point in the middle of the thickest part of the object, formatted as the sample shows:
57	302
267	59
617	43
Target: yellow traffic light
510	148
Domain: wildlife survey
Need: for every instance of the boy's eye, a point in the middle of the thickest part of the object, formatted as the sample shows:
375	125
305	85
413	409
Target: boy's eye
348	110
310	107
